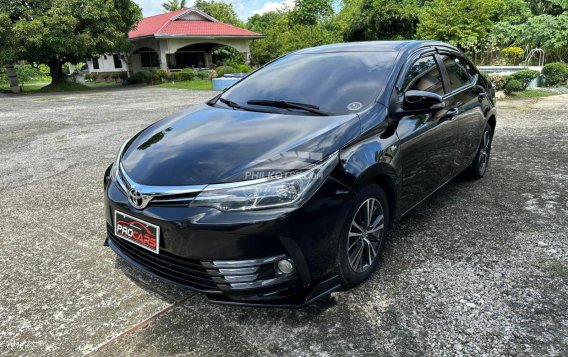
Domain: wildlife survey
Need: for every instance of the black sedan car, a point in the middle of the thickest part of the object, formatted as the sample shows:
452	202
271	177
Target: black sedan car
284	187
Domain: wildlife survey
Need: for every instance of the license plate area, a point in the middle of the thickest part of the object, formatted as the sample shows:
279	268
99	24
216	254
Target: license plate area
137	231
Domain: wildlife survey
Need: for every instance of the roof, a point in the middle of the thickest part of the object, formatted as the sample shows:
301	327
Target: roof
186	23
374	46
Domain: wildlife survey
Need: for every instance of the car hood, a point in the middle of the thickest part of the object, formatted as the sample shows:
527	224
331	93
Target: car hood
206	145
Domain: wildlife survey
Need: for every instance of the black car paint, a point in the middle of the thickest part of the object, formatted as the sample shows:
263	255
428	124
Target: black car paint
410	156
205	144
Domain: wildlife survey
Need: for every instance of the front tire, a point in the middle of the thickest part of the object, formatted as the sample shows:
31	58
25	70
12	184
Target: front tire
362	236
478	167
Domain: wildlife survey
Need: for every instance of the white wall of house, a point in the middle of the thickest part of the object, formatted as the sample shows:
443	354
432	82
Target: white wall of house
107	64
163	47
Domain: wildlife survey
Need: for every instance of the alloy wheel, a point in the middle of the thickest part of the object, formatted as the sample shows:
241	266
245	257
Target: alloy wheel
365	235
484	151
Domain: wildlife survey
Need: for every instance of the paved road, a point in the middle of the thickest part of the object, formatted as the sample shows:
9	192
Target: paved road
481	268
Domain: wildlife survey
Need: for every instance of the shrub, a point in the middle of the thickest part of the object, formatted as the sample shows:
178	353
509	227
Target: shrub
204	74
105	76
140	77
222	70
524	76
513	86
498	80
555	73
212	74
175	77
512	54
243	68
161	75
186	74
123	75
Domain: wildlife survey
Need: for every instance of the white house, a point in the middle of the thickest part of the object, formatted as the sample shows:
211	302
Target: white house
175	40
107	63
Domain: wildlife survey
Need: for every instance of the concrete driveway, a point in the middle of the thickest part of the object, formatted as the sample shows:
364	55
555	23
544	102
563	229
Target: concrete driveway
479	269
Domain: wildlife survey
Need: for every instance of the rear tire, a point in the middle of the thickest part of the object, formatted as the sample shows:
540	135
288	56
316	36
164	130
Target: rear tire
478	167
362	237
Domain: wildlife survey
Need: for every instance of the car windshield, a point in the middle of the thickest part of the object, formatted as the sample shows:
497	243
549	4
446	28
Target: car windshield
336	83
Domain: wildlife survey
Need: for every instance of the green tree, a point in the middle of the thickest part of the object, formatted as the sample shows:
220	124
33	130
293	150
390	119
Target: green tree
9	48
382	20
465	31
221	11
547	7
54	32
549	32
312	12
8	43
26	72
284	35
173	5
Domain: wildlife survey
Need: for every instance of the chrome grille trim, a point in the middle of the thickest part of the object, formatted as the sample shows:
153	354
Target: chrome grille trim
158	194
157	190
242	275
242	263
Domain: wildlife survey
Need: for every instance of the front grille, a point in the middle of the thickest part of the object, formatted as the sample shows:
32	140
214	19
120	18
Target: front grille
180	270
209	276
176	200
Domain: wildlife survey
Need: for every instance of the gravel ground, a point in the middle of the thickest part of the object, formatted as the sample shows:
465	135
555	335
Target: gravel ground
479	269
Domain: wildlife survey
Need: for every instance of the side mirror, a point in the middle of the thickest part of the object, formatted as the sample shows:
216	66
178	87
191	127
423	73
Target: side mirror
422	102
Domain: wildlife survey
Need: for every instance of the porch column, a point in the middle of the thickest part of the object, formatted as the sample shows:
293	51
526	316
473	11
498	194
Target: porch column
163	59
208	59
246	57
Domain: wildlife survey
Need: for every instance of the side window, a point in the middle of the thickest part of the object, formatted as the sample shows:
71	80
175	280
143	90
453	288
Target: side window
96	63
458	72
424	75
117	61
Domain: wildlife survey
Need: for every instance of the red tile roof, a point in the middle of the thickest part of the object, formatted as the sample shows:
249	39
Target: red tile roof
167	25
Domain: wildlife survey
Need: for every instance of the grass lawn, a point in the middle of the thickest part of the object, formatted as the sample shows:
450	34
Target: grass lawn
42	87
95	85
28	87
532	93
197	84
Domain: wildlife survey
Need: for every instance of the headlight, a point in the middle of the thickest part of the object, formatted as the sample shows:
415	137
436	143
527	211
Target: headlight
289	191
114	169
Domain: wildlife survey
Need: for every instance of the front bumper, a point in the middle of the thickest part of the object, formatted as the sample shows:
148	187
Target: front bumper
232	256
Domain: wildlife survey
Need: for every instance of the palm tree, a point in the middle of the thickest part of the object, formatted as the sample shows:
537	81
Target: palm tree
173	5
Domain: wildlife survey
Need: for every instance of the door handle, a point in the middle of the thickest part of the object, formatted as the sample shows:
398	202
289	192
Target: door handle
452	113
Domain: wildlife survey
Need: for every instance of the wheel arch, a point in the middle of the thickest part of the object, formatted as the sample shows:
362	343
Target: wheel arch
384	176
492	121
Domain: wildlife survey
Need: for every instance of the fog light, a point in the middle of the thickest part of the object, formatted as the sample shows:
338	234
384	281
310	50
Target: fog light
286	266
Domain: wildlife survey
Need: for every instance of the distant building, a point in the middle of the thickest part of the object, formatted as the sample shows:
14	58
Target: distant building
175	40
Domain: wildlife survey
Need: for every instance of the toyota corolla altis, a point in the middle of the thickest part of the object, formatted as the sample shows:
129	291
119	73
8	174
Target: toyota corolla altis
284	187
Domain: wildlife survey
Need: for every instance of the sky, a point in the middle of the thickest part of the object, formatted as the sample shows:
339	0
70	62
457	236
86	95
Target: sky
244	8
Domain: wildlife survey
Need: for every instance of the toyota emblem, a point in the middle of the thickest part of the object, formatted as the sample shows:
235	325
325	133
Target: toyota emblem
137	199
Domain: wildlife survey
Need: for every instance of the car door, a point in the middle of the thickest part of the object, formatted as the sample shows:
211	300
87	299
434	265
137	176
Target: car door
465	98
426	161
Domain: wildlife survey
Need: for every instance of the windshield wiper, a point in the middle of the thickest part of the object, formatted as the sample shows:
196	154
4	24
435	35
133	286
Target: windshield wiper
232	104
288	105
236	105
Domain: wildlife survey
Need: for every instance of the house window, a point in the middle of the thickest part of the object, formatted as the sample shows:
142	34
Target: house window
96	63
149	59
117	61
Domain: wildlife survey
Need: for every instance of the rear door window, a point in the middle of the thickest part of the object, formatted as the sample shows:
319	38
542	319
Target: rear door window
458	72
